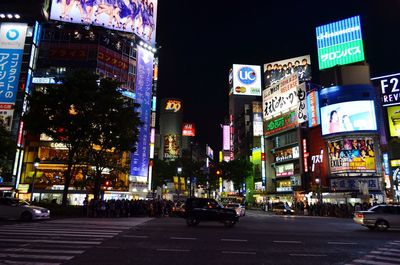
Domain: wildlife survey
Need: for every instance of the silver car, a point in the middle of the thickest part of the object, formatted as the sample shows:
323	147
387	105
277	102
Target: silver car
17	209
380	217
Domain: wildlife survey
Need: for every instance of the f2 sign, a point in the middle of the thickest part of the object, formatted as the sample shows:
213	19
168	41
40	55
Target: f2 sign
390	88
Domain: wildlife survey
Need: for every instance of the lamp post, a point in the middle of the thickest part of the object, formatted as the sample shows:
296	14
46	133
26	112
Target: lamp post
319	194
35	165
179	171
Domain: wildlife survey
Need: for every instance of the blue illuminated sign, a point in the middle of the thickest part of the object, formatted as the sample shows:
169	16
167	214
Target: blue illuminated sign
247	75
144	83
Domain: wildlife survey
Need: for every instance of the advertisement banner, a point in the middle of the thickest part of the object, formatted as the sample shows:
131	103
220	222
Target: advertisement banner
276	71
301	109
355	155
246	80
188	129
171	146
6	115
226	141
340	43
287	154
144	85
257	119
281	123
354	184
348	117
390	88
394	120
12	41
285	170
314	118
280	97
139	17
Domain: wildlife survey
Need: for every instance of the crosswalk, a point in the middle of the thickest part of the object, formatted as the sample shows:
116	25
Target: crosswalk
57	241
388	254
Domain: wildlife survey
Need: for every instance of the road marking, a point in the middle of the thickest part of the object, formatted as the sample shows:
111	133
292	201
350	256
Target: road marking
239	252
382	258
11	262
394	243
54	234
52	241
389	249
172	250
108	247
387	253
112	232
35	256
133	236
289	242
308	255
342	243
371	262
233	240
183	238
42	250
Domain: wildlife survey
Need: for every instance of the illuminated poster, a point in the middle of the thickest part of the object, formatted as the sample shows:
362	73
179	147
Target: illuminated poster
171	146
188	129
348	117
356	155
281	123
134	16
394	120
6	115
390	88
226	141
257	119
144	84
12	41
313	109
340	43
343	184
276	71
246	80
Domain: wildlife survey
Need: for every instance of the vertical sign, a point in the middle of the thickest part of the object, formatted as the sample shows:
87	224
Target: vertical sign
12	41
226	138
144	83
313	109
301	109
305	155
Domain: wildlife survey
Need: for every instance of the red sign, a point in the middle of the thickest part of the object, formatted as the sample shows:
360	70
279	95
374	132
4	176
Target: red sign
305	155
188	129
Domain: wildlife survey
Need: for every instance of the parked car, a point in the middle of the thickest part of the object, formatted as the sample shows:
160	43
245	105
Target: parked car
282	209
178	209
16	209
201	209
380	217
240	210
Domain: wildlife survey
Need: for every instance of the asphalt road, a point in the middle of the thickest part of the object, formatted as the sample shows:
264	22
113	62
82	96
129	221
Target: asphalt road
258	238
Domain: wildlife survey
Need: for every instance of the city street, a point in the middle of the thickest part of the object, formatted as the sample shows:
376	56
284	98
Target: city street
259	238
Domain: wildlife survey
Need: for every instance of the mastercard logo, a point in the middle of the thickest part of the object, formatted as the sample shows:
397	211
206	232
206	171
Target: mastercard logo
240	89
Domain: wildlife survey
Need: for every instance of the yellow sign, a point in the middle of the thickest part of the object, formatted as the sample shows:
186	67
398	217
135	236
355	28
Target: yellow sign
173	105
395	163
23	188
394	120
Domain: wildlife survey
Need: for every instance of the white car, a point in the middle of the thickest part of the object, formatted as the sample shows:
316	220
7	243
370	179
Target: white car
240	210
16	209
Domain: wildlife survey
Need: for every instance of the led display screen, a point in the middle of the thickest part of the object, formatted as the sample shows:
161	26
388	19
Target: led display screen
348	117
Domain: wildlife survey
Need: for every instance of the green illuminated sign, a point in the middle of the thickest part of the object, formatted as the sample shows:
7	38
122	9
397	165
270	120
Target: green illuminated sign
281	123
341	54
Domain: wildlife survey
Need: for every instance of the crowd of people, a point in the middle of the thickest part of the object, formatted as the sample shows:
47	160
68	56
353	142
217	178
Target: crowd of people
330	209
127	208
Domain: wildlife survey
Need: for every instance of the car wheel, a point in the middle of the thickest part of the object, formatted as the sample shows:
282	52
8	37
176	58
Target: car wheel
26	217
192	221
229	223
381	225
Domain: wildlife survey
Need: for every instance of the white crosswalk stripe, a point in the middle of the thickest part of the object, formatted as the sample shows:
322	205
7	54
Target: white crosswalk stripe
389	254
57	241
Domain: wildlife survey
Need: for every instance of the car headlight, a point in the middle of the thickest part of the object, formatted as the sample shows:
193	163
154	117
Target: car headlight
37	211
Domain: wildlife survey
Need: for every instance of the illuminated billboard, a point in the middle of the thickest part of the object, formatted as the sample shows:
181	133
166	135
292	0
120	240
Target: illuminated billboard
188	129
394	120
348	117
134	16
314	118
6	115
276	71
173	105
257	119
390	88
340	43
246	80
281	123
12	41
171	146
354	154
226	138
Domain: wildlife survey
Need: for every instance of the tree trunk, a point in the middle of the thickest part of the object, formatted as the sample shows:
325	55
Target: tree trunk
97	184
67	178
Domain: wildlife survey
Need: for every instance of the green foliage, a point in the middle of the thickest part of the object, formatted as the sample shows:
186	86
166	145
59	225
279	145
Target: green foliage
236	171
7	150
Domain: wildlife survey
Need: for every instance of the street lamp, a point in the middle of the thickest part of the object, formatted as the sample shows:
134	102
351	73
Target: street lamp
35	165
318	182
179	171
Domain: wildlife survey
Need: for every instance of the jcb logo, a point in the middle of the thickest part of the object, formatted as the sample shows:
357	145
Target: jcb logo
173	105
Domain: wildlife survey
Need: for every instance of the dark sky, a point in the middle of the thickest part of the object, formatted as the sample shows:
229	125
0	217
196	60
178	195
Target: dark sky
201	40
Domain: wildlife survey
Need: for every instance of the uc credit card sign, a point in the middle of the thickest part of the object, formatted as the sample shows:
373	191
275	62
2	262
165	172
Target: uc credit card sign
12	41
246	80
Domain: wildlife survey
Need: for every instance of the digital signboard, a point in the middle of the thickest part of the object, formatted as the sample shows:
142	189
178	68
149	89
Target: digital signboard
394	120
390	88
139	17
246	80
188	129
340	43
348	117
281	123
352	154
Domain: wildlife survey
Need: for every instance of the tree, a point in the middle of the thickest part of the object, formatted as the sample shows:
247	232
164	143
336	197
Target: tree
236	171
7	150
75	113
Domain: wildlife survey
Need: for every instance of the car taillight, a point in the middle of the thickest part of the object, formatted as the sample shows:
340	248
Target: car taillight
359	215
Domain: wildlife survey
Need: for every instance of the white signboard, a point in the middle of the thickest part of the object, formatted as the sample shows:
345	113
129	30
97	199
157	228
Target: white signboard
246	80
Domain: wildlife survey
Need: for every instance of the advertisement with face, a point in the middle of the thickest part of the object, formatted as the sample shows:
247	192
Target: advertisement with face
394	120
276	71
134	16
246	80
355	155
348	117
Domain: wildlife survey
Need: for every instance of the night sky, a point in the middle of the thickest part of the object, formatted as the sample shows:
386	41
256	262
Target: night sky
200	40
